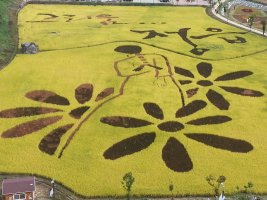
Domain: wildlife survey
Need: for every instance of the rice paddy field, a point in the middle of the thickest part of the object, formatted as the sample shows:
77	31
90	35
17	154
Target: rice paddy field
167	93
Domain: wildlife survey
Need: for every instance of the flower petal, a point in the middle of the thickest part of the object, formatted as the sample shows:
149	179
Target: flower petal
30	127
26	111
183	72
191	92
204	83
191	108
184	82
47	97
217	100
234	75
221	142
242	91
78	112
51	141
217	119
84	93
171	126
204	69
125	122
176	157
105	93
129	146
154	110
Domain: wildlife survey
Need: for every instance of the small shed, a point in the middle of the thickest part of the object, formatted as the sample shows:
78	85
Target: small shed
18	188
29	48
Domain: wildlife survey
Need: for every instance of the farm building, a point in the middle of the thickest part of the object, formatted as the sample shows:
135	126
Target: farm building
18	188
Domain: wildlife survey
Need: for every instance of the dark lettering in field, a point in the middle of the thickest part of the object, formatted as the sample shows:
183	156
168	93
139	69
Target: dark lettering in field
53	18
183	33
107	19
69	17
47	17
234	41
151	34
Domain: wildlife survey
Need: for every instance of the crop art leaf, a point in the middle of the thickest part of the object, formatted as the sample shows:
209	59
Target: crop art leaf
191	108
183	72
50	142
204	69
242	91
30	127
84	93
220	142
217	100
125	122
234	75
154	110
26	111
191	92
78	112
47	97
130	145
105	93
217	119
176	157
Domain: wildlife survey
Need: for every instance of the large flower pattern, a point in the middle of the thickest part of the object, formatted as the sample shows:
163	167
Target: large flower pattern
217	99
174	153
50	143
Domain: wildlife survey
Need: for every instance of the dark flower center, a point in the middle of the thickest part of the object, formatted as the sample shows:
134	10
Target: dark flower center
171	126
205	83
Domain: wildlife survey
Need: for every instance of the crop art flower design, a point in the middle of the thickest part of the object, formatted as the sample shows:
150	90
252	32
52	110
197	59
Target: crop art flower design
174	153
214	97
49	143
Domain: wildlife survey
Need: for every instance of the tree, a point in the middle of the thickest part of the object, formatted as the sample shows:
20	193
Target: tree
224	9
217	185
127	183
251	20
263	23
171	189
245	193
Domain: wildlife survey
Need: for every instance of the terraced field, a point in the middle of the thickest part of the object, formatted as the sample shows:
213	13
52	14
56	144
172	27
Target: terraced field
149	90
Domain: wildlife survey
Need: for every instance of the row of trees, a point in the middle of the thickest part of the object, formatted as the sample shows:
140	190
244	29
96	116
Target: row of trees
242	193
251	20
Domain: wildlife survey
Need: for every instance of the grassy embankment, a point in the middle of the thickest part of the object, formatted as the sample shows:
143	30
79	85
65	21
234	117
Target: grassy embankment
8	36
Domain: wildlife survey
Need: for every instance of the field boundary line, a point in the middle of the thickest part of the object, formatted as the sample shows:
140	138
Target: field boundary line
162	48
